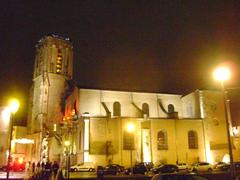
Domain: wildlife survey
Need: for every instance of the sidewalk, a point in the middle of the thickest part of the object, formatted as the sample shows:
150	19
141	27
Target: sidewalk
15	175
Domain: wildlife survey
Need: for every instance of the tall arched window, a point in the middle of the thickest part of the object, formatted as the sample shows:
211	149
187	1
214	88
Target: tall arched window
145	109
192	140
162	141
116	109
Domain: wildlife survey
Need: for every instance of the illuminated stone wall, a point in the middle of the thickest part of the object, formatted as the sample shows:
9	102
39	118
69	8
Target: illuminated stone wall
190	108
90	101
107	141
214	122
53	70
53	67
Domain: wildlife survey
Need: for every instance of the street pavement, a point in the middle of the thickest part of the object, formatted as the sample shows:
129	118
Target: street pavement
15	175
93	175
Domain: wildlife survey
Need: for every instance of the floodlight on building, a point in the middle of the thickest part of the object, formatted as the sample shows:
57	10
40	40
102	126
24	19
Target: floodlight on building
86	114
86	139
236	131
5	116
208	153
67	143
23	141
54	127
130	127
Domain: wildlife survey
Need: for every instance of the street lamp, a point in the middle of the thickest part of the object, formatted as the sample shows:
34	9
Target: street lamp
222	74
130	130
13	107
67	144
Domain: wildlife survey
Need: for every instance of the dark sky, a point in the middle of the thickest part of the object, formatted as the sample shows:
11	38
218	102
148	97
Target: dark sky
153	46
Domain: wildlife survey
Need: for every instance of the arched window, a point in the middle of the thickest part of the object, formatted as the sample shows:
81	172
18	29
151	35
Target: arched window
192	140
145	109
170	108
162	142
116	109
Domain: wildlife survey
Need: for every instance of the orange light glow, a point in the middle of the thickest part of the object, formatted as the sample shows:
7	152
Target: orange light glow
73	112
14	105
20	160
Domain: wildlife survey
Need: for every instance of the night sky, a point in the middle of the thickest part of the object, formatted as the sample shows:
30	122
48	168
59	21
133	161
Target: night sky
151	46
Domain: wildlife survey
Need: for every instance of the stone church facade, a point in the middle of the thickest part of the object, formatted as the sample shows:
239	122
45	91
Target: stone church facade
166	128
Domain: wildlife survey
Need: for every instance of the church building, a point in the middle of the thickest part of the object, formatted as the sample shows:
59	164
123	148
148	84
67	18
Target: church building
105	126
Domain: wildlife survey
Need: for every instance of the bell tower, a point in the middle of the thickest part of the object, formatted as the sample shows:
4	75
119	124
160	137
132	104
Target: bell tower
53	68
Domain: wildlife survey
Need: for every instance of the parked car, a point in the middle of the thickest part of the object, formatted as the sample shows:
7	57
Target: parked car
226	166
166	168
137	169
149	165
202	166
83	167
222	166
237	165
119	166
140	168
178	177
3	168
182	166
113	169
15	166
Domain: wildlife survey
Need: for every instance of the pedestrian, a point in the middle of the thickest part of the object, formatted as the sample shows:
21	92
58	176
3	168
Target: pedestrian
33	167
38	167
43	166
27	166
55	168
48	169
100	173
43	173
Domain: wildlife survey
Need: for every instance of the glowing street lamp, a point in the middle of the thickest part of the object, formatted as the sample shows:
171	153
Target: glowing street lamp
13	107
222	74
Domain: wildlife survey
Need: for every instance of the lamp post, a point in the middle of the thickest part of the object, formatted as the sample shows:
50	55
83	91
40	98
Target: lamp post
67	144
222	74
130	130
13	106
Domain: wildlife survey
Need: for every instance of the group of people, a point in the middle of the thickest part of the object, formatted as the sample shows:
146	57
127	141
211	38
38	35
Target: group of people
44	170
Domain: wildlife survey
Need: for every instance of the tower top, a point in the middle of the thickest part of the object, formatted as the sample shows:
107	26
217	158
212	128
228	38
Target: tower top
54	54
53	38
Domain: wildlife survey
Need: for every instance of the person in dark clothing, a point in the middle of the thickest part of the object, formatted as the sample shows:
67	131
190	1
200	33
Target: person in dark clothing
55	168
33	167
38	167
48	169
100	173
43	166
